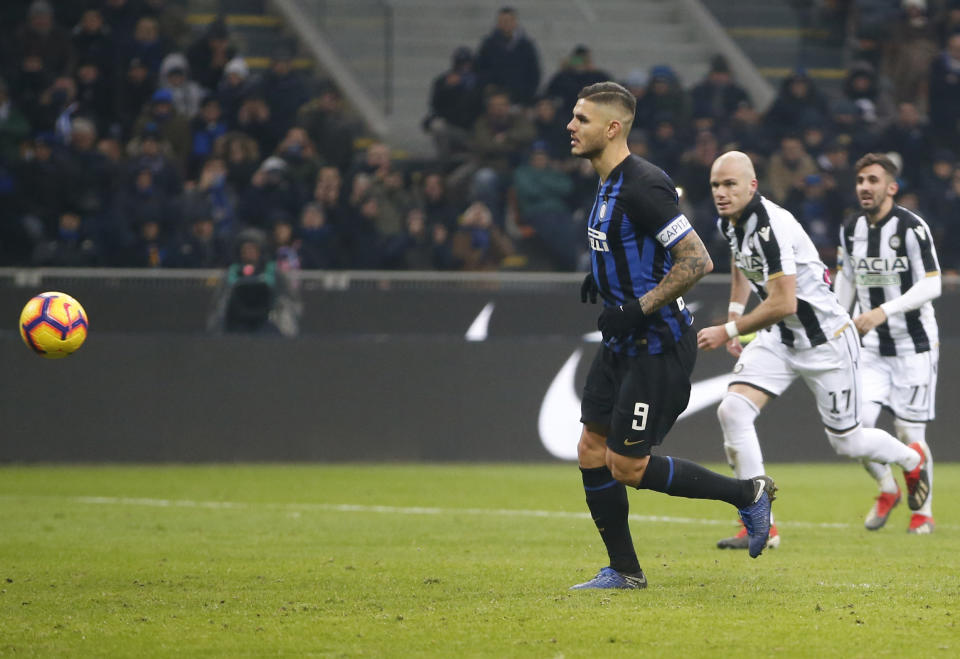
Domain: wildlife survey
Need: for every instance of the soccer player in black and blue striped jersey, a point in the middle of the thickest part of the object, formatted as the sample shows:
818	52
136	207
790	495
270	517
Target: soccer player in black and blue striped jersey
645	257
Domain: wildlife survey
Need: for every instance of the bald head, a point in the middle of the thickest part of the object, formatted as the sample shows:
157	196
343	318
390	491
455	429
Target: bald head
733	182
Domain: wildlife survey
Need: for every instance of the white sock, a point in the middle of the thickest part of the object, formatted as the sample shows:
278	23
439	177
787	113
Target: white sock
740	442
880	472
874	444
909	432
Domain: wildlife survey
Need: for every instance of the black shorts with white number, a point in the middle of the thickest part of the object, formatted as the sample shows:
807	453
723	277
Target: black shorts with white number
638	398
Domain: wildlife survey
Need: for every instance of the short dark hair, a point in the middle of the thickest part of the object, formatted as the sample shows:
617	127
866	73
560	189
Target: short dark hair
877	159
610	93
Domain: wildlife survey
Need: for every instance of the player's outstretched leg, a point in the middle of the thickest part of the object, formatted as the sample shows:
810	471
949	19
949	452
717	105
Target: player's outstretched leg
683	478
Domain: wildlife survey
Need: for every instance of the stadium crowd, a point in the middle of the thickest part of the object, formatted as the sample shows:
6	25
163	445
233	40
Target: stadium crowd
125	140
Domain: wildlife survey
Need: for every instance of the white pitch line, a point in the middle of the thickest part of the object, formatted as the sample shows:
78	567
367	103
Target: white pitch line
408	510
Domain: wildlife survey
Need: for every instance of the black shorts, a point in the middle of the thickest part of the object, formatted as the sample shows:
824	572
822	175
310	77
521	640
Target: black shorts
638	398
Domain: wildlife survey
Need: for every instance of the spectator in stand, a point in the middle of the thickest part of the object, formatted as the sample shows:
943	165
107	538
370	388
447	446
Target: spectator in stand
94	41
56	108
948	20
209	55
745	132
42	45
301	157
426	247
212	197
286	248
937	182
909	53
819	208
944	101
14	127
576	72
328	194
284	88
837	171
153	151
91	174
172	127
665	146
667	97
234	86
206	128
847	119
455	104
330	127
789	166
200	248
71	247
44	183
242	156
146	44
797	99
637	83
272	189
717	96
362	240
121	16
551	127
318	245
507	59
150	247
95	95
171	18
500	138
543	191
136	90
693	176
908	135
437	209
862	87
946	227
256	119
142	201
175	76
478	243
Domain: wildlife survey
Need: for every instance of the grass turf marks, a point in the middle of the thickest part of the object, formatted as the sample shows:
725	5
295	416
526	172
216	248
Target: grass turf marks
452	561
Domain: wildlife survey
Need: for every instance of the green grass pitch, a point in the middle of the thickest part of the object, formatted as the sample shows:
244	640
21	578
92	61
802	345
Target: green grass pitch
454	561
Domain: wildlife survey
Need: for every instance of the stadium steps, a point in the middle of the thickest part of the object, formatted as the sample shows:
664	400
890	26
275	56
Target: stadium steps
781	36
254	28
623	34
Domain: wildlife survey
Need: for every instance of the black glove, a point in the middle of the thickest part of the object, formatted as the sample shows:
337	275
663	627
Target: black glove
622	320
589	289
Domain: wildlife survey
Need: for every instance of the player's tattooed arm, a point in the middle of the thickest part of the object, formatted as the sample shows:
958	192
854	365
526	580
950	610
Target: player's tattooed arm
691	261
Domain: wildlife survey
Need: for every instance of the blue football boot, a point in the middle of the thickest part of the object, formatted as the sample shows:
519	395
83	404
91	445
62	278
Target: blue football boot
756	516
607	577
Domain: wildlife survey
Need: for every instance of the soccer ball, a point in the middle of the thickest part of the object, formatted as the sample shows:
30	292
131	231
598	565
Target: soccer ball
53	325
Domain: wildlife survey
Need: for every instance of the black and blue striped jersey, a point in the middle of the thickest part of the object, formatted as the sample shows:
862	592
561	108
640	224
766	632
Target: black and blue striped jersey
634	222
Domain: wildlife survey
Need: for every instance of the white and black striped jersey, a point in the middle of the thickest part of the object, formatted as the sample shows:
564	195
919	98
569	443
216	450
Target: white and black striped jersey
883	261
767	242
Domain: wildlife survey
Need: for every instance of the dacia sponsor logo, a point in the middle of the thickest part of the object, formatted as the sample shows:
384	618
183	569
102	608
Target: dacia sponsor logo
598	240
749	262
880	266
670	232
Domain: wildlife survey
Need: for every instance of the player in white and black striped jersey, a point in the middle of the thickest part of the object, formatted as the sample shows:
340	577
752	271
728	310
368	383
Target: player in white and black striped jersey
806	335
888	265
